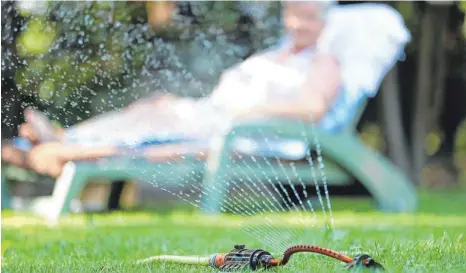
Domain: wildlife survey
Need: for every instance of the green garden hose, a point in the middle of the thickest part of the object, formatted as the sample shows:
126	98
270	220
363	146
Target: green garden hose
193	260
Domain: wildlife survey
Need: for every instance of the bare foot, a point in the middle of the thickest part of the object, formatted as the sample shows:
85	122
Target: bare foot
26	131
39	126
14	156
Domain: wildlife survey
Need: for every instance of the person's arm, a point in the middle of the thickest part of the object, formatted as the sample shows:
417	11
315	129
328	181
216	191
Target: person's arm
321	88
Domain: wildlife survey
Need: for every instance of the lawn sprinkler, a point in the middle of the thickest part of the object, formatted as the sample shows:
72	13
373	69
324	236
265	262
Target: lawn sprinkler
241	258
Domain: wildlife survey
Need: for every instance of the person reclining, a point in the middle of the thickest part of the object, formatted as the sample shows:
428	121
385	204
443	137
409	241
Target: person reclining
331	59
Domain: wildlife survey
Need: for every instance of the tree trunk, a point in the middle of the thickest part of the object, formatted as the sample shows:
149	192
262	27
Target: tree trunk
397	147
423	91
440	64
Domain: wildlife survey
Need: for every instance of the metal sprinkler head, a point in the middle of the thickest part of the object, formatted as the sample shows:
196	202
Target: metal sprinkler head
241	258
362	261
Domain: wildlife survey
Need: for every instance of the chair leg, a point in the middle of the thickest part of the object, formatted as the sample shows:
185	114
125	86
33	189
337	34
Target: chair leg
68	186
6	197
116	190
218	157
213	202
391	188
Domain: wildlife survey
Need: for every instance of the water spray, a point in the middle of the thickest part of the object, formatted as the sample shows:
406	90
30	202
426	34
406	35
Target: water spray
241	258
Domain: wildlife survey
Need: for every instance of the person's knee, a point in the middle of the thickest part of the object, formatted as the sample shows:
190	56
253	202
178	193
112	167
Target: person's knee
55	169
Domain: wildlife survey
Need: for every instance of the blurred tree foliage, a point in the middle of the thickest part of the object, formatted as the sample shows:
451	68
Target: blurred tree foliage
77	59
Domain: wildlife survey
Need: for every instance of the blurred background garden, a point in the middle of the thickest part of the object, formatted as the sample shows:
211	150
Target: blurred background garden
76	60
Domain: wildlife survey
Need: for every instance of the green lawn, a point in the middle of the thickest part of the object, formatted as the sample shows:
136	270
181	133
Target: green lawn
430	241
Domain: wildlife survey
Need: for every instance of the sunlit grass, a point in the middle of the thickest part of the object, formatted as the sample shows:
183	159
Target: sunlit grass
431	240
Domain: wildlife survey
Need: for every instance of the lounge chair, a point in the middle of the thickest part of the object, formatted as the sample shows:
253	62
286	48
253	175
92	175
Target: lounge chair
346	159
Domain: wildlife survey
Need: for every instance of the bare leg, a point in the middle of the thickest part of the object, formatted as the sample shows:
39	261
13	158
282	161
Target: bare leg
49	158
51	166
156	99
39	129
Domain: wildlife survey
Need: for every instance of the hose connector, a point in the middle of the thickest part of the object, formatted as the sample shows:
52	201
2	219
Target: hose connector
241	258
